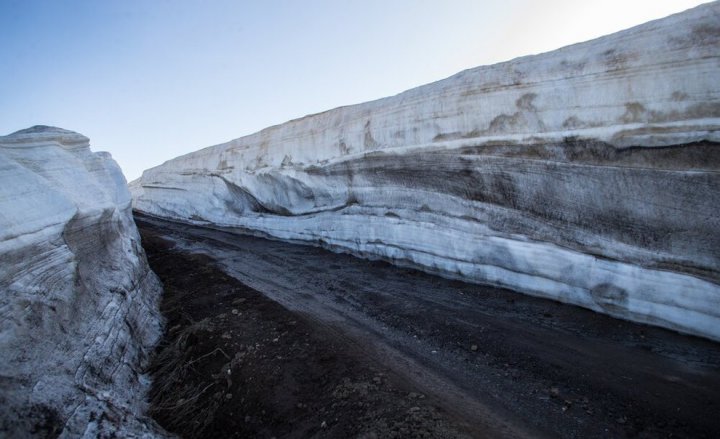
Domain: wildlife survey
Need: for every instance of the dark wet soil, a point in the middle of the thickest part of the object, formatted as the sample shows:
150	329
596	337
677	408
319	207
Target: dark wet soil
236	364
319	344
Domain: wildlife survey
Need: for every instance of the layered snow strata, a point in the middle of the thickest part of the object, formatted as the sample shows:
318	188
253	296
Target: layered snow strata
588	175
78	302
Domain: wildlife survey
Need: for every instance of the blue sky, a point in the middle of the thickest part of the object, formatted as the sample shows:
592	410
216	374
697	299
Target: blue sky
150	80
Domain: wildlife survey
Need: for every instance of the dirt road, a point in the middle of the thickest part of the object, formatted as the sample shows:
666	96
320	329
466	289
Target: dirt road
329	345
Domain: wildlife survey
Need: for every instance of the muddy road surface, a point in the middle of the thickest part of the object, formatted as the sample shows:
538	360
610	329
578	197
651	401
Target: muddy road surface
271	339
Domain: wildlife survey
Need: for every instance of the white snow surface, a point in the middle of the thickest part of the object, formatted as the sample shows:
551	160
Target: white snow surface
589	175
78	303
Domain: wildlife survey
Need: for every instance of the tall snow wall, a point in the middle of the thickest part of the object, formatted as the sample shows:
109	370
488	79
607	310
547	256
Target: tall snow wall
78	303
588	175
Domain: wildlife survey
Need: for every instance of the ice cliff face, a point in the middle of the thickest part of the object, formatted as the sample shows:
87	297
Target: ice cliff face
78	302
589	175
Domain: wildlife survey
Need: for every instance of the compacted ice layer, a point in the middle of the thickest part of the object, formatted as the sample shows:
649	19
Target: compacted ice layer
588	175
78	302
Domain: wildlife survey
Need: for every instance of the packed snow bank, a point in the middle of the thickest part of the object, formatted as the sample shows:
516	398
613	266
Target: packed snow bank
78	302
588	175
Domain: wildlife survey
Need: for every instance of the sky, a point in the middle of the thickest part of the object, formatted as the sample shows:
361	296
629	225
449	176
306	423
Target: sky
148	80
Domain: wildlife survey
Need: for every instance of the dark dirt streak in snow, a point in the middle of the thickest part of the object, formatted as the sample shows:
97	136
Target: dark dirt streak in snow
504	363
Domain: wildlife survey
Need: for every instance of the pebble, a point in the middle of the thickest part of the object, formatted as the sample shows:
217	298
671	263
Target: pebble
474	347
